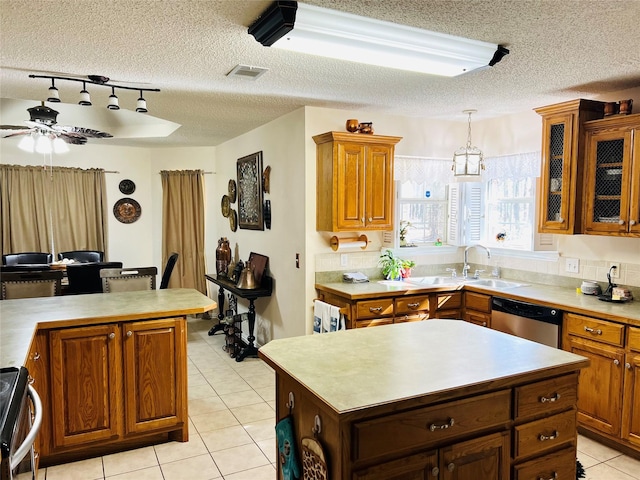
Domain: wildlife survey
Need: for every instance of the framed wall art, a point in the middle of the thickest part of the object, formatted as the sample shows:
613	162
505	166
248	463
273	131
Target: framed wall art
250	198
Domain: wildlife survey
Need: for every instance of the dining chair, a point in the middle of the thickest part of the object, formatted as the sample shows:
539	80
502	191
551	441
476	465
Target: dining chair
168	269
27	257
82	256
128	279
85	277
30	284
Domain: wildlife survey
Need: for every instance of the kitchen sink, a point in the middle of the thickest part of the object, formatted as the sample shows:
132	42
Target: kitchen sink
435	280
495	283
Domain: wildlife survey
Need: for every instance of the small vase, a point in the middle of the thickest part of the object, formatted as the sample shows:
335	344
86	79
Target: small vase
352	125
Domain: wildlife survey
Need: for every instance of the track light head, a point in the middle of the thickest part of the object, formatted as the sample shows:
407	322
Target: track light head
113	100
85	97
54	95
141	105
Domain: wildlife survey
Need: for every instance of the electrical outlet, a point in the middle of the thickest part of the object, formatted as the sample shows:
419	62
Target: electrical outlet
614	268
572	265
344	259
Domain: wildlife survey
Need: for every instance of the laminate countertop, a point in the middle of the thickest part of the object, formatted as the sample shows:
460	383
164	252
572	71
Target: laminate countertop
20	318
438	359
563	298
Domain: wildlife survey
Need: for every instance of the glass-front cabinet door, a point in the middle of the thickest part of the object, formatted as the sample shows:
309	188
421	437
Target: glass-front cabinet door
612	178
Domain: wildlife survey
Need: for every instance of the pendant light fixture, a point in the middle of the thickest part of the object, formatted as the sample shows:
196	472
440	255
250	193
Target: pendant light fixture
113	100
468	160
141	105
85	97
54	95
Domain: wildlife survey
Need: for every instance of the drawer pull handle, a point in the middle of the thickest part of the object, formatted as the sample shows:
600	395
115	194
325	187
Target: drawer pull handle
413	305
592	330
554	398
433	427
36	356
484	324
554	477
375	309
30	380
553	436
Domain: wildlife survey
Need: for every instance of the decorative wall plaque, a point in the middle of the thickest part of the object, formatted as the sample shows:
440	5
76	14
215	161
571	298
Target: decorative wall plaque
250	192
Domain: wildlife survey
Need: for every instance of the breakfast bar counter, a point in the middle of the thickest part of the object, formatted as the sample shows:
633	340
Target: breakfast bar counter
110	368
439	395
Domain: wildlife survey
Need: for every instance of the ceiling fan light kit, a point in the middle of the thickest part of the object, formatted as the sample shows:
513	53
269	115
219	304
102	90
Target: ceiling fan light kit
295	26
100	80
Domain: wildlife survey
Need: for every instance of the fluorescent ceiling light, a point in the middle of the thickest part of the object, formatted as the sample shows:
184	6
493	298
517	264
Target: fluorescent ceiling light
320	31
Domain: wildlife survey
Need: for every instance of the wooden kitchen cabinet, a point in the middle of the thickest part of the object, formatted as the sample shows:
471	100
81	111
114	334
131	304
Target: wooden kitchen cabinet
113	382
631	398
612	179
477	308
354	189
560	197
447	305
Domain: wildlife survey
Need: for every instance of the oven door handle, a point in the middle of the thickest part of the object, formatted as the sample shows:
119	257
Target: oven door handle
29	440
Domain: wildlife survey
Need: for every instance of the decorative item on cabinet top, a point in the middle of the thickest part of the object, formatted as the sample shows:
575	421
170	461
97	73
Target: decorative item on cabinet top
354	126
352	242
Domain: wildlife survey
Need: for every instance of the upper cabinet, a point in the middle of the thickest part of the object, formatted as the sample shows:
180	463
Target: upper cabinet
562	164
612	179
354	189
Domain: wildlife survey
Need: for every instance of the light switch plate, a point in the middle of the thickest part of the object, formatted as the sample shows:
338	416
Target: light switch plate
344	259
572	265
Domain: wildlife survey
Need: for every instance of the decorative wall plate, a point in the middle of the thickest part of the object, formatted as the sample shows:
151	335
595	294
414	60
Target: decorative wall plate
225	205
127	210
127	186
233	220
232	191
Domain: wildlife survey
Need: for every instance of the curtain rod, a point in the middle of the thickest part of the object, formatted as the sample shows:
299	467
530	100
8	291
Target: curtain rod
115	171
204	173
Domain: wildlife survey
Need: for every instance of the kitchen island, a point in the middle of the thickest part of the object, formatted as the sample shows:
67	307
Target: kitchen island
434	399
111	369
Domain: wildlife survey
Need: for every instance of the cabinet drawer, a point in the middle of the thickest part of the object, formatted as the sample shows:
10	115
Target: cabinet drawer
417	317
445	301
374	322
547	396
477	301
412	304
556	465
546	434
633	342
595	329
375	308
479	318
425	427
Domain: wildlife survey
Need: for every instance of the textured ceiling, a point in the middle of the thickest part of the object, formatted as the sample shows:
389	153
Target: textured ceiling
560	49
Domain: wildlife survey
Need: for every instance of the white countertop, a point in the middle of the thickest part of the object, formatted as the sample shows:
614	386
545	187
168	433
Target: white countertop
364	367
20	318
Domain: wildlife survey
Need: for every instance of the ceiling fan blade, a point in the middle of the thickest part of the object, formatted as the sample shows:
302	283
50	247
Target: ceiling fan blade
39	126
82	132
7	131
73	139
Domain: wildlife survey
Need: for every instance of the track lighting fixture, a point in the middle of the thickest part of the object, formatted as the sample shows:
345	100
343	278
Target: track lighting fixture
141	106
54	95
85	96
113	100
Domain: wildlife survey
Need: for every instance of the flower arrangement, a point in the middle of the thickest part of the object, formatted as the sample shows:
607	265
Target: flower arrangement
395	268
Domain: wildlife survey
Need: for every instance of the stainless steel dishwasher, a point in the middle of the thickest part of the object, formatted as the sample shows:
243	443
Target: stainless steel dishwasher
526	320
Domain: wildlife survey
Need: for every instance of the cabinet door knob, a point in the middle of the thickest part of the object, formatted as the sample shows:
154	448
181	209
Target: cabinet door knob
451	467
30	380
620	222
112	335
628	365
435	471
362	220
36	356
129	333
632	222
370	219
616	362
484	324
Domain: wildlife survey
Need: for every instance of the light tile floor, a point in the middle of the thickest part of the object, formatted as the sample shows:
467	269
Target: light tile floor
231	430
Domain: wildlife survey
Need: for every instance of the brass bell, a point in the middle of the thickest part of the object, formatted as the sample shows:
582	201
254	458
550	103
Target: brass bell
247	278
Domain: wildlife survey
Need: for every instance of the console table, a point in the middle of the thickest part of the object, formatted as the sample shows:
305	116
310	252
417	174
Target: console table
264	290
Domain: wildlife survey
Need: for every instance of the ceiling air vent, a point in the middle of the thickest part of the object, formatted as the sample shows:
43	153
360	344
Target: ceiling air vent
247	71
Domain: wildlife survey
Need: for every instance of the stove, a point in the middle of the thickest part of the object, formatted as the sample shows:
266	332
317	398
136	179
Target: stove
14	417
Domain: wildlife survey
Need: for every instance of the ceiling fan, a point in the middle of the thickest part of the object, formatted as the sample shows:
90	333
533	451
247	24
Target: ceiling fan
43	121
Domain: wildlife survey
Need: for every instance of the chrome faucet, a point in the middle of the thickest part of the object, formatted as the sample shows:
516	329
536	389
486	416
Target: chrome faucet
465	268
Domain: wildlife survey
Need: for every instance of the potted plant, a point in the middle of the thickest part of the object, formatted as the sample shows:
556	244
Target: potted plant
404	228
394	268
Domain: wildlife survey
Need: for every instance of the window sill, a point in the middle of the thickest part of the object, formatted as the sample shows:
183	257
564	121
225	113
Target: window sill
422	250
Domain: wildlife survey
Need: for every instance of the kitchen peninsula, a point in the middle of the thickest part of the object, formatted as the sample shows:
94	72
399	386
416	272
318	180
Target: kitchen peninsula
111	369
436	399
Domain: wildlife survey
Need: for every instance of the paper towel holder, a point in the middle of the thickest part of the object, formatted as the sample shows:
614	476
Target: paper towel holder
352	242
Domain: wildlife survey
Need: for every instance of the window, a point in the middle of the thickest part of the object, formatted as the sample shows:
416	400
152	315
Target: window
499	211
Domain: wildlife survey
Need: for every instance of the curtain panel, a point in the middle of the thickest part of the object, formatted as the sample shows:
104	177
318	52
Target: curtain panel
52	209
183	226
